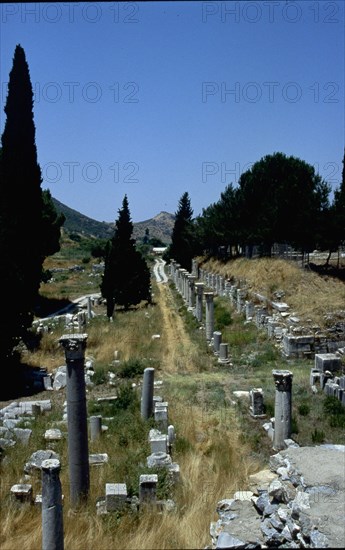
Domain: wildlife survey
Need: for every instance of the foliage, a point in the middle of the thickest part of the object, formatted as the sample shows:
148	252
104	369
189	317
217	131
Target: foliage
183	245
29	224
279	200
126	279
335	411
222	315
100	376
98	248
317	436
131	368
338	208
304	409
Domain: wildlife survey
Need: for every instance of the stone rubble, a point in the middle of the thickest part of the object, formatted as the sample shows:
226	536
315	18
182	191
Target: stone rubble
287	506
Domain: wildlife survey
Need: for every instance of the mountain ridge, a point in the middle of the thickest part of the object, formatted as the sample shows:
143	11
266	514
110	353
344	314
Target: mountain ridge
160	226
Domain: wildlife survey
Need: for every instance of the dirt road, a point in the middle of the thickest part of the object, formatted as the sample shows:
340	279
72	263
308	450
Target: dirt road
179	349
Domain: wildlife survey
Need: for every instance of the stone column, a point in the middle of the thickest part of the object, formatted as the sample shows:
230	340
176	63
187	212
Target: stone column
176	273
52	516
198	305
223	354
191	293
89	309
78	452
217	340
95	427
147	393
209	315
282	408
171	438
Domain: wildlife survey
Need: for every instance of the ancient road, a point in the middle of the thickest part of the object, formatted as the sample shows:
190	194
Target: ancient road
159	272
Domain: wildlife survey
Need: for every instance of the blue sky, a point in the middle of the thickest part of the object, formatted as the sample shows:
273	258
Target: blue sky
152	99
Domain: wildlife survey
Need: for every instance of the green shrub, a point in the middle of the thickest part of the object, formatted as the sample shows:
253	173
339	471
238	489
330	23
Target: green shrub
269	408
317	436
222	316
333	406
335	411
131	368
294	426
126	397
100	376
304	409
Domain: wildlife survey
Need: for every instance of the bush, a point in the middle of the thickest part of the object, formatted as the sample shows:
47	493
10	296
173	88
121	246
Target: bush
335	411
333	406
126	397
222	316
304	409
131	368
100	376
317	436
294	426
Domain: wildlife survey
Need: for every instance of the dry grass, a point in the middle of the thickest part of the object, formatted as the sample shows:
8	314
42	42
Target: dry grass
213	460
214	456
307	294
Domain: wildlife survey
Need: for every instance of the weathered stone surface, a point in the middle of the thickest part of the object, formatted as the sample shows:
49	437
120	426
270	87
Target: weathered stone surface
98	459
303	508
37	458
261	480
226	540
327	361
246	526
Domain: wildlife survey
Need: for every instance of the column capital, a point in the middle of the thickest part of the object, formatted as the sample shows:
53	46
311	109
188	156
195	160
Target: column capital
282	379
74	345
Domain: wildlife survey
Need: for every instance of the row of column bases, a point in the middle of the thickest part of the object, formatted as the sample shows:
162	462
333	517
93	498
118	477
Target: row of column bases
193	292
79	478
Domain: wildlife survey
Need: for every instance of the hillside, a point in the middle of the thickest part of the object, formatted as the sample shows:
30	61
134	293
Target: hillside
159	227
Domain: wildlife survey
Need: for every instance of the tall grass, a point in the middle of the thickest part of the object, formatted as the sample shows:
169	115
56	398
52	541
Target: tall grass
310	295
218	444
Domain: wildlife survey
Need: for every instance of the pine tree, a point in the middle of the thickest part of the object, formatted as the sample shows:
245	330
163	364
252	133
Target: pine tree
182	245
24	235
126	279
339	208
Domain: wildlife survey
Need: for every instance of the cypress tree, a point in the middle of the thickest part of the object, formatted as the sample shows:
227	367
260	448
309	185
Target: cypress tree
182	245
24	235
126	279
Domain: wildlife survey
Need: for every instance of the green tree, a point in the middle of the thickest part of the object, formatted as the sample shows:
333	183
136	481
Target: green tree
98	248
183	245
281	199
339	208
52	222
29	226
146	237
126	278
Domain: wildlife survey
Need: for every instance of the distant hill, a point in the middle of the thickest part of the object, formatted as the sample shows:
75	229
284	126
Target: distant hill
160	226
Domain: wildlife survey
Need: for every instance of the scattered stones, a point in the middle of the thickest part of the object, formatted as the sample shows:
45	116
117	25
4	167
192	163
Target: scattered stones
283	516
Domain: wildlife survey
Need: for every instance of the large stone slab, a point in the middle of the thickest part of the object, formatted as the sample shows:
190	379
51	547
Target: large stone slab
323	471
